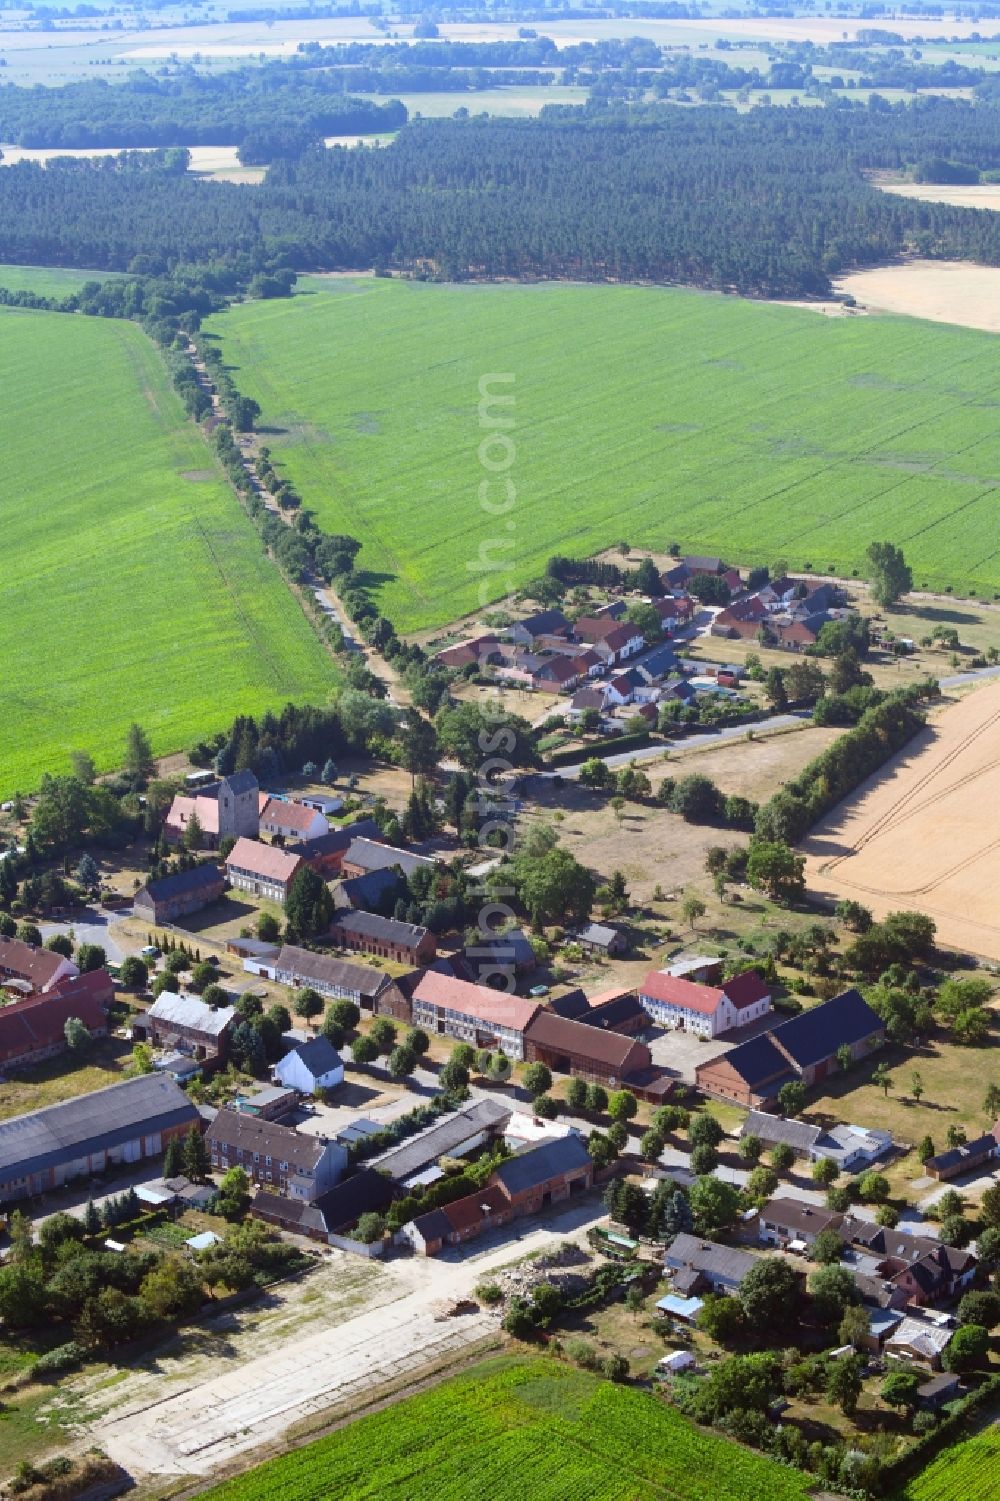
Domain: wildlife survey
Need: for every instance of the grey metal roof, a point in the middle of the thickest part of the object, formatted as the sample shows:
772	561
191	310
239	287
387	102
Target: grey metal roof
443	1137
199	878
970	1154
596	932
706	1256
91	1122
326	970
766	1127
242	781
550	1158
370	925
371	856
189	1011
816	1034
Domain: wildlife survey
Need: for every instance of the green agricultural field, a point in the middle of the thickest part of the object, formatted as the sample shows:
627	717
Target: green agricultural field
510	1429
965	1471
134	586
47	281
646	414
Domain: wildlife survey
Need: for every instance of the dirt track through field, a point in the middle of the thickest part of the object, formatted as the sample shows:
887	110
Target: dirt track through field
925	833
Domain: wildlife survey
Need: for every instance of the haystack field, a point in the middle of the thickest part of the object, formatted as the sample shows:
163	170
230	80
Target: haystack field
925	833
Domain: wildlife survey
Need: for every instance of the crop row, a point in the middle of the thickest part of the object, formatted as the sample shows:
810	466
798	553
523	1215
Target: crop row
137	588
511	1429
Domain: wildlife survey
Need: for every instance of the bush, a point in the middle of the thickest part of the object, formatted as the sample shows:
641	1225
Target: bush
370	1228
581	1353
62	1358
489	1293
519	1320
615	1368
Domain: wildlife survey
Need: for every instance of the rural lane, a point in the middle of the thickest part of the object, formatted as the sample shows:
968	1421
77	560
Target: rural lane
977	675
694	742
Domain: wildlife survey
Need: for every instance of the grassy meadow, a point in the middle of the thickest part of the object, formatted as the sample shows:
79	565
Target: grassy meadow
47	281
642	414
511	1428
136	588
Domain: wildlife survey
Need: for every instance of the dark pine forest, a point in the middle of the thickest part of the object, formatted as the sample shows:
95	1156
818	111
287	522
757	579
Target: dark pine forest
771	203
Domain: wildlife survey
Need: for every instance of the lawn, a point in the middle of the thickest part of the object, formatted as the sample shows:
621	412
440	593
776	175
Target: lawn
47	281
136	587
954	1080
512	1428
64	1078
647	414
966	1471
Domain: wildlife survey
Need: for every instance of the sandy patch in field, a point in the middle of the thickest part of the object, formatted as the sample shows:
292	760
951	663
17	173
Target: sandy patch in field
976	195
942	291
213	158
924	834
14	154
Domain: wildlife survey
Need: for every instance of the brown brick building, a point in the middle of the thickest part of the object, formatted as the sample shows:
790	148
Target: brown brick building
367	933
586	1052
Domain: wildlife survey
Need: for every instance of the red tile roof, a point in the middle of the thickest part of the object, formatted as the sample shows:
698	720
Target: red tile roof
262	860
469	1213
673	991
746	988
595	627
39	1022
292	816
479	1001
181	809
25	961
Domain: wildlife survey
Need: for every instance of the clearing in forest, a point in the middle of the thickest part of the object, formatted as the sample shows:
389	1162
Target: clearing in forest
644	414
922	834
135	587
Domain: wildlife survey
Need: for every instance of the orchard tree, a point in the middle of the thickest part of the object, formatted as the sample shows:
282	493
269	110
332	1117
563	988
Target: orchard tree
792	1098
770	1294
78	1039
714	1204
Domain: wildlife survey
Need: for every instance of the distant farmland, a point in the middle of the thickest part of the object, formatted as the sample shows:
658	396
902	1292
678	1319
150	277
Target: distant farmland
642	414
134	587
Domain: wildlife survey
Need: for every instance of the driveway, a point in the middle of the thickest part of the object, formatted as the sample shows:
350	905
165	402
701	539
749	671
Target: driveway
191	1432
682	1052
91	927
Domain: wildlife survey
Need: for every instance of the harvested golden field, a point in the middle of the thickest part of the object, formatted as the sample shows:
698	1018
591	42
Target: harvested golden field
924	834
940	291
970	195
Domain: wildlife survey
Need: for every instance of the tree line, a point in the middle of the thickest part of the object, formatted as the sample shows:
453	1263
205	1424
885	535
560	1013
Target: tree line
192	109
771	203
